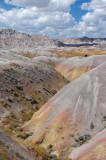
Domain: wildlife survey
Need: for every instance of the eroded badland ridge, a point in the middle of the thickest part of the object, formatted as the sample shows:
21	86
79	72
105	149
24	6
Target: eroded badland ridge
52	97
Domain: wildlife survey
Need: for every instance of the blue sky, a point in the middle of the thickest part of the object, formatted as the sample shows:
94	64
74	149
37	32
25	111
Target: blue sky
55	18
5	5
76	10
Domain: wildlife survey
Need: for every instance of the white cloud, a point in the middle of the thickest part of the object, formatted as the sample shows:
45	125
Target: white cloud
51	17
24	3
95	20
29	20
96	8
94	4
62	5
51	5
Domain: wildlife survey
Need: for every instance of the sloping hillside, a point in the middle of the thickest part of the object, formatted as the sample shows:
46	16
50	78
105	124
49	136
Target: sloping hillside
75	114
77	66
11	150
25	85
95	149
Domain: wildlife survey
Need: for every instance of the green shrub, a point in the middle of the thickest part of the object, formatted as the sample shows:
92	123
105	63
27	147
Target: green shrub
71	135
17	154
50	146
31	133
92	125
82	139
104	118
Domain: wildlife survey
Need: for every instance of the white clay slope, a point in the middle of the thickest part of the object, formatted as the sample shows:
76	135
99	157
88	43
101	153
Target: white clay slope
72	110
75	67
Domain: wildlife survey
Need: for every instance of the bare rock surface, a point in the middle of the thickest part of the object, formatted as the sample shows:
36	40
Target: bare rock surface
72	117
76	110
48	60
40	45
25	85
15	148
94	149
77	66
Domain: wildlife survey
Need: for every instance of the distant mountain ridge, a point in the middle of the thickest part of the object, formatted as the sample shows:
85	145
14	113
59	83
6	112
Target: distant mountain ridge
10	38
83	39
